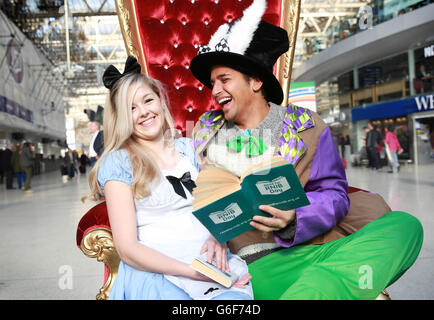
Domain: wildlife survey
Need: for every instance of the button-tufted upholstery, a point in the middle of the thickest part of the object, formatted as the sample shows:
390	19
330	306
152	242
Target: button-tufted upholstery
170	33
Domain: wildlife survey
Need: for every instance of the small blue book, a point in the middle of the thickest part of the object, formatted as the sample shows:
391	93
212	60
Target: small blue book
225	204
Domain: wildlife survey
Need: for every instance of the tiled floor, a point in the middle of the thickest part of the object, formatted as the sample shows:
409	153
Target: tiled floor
412	191
39	258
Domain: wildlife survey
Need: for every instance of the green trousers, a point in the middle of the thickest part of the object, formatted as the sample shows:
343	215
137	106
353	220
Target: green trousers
358	266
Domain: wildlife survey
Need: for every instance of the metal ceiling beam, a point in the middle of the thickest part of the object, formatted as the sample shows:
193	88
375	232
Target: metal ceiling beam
57	15
86	44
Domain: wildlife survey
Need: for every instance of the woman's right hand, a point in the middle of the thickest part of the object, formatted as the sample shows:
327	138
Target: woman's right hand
194	275
242	282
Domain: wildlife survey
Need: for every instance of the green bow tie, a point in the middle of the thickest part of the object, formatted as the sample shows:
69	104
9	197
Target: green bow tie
254	145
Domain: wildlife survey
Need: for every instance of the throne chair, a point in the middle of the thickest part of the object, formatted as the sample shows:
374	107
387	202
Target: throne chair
164	35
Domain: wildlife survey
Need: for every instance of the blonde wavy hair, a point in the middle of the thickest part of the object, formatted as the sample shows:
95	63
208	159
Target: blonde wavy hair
118	133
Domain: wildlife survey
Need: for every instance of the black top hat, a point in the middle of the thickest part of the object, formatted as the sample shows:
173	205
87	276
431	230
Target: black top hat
256	57
90	114
95	116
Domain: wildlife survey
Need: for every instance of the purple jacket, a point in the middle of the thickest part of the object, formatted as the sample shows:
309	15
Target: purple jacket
327	191
326	187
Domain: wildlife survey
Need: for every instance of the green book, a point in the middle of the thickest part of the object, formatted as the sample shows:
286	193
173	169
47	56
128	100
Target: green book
225	204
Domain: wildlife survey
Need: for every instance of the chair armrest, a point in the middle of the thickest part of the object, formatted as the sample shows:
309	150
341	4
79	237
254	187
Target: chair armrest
354	189
98	243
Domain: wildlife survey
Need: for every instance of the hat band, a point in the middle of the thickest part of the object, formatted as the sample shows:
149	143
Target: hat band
221	46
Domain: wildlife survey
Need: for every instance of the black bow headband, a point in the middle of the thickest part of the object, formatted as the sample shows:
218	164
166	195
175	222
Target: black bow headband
111	74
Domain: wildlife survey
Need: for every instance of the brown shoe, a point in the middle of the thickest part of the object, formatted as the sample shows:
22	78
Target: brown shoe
384	295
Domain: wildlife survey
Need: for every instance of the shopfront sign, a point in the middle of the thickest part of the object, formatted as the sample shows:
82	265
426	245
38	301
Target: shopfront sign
303	94
425	103
394	108
428	51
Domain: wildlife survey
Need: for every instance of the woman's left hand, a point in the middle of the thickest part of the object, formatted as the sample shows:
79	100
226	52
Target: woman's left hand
216	251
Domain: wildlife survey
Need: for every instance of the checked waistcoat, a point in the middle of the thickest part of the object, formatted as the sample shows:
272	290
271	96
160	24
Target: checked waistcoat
290	145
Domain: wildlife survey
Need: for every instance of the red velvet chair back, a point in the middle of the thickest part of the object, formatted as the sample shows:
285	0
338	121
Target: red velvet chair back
164	36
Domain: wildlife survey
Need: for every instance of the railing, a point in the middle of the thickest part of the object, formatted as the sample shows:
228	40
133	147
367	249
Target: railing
399	88
363	18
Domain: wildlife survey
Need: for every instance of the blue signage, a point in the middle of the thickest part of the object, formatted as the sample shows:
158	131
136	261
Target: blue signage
15	109
394	108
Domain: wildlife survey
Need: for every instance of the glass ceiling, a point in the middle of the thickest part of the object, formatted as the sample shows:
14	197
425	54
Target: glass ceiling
95	41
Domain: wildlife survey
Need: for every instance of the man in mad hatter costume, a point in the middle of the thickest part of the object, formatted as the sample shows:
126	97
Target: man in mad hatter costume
361	245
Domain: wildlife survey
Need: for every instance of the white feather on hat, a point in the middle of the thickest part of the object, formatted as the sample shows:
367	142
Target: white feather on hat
218	35
241	32
250	46
239	35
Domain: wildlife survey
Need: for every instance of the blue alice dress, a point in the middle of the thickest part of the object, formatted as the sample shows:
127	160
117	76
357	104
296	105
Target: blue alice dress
165	223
